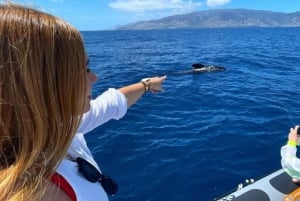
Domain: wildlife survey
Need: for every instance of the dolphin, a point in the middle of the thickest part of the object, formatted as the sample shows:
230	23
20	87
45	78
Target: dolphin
201	68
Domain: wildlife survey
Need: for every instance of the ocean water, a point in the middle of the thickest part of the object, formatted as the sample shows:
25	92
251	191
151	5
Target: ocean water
208	132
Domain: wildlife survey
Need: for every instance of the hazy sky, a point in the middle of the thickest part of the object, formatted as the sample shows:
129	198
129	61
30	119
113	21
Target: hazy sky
107	14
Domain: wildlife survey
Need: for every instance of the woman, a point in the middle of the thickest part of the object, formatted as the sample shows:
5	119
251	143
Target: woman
289	160
44	88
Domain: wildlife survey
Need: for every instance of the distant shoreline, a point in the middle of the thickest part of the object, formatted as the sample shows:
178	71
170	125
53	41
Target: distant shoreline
219	18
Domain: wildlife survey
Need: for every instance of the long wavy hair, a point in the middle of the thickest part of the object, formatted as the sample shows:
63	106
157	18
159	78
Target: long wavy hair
42	94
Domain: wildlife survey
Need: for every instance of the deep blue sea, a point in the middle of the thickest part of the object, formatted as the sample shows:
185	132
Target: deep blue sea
208	132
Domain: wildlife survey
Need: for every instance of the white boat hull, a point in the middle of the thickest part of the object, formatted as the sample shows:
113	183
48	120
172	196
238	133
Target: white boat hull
273	187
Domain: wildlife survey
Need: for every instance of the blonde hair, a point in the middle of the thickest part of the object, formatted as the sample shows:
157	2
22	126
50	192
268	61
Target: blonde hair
42	92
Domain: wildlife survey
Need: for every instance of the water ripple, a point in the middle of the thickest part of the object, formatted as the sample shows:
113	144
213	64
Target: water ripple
202	135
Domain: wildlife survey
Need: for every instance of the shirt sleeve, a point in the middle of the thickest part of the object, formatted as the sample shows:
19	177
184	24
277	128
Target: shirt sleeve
79	148
112	104
289	161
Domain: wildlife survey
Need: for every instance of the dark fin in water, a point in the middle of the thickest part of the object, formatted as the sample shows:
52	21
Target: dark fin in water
198	65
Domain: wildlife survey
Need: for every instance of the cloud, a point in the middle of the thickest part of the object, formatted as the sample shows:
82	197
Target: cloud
213	3
150	5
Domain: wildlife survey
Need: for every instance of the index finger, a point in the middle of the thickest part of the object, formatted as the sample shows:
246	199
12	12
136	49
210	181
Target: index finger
163	77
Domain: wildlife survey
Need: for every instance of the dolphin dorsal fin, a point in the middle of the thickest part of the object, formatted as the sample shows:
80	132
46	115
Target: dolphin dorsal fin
197	65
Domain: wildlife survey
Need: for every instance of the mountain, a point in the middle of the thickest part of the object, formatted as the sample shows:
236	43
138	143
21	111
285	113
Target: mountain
220	18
